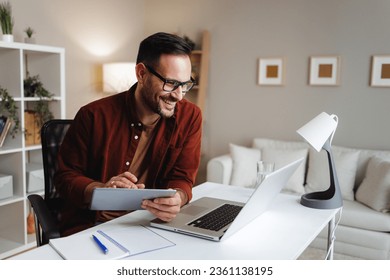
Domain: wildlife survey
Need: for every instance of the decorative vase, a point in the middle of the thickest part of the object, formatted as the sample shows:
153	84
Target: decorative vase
30	223
29	40
8	38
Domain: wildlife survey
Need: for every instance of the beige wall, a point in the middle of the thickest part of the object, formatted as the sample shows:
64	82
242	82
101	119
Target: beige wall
96	31
242	31
91	31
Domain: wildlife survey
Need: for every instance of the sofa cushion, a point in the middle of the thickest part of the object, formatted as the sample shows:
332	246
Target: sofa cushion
357	215
244	165
260	143
282	157
374	190
364	157
318	171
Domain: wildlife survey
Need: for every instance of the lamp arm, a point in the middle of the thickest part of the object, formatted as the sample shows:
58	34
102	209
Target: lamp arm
334	182
330	198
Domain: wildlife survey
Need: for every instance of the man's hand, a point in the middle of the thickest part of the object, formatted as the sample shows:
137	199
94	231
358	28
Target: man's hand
125	180
164	208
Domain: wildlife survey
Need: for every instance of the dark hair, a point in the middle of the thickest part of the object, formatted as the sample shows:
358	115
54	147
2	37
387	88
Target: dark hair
151	48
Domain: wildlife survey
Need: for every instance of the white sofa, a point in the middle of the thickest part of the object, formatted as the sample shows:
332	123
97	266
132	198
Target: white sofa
364	177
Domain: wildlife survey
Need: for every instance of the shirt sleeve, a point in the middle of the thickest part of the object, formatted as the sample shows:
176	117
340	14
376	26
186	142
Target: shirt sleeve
183	173
70	179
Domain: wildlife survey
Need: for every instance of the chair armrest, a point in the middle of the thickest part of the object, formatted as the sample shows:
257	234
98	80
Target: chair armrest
219	169
44	217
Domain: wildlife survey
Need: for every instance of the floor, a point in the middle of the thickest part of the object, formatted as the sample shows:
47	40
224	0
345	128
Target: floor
319	254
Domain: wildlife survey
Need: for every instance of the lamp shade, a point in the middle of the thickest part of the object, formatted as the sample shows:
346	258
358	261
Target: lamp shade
118	77
318	130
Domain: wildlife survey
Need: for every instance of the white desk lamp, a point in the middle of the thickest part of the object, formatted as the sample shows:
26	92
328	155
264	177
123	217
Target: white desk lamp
319	134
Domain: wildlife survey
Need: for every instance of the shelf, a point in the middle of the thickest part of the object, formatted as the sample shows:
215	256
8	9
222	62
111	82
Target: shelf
200	72
49	63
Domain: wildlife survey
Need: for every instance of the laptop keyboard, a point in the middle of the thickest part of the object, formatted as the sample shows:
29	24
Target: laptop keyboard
218	218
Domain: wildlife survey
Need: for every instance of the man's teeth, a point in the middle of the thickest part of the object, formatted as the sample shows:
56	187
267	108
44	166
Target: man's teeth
168	102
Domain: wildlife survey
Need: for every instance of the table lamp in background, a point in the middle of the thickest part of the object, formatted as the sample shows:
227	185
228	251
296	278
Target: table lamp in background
319	134
118	77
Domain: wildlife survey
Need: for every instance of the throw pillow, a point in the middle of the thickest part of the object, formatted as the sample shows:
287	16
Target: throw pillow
318	178
374	191
282	157
244	165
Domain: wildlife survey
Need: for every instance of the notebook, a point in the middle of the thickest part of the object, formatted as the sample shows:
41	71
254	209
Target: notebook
121	240
195	218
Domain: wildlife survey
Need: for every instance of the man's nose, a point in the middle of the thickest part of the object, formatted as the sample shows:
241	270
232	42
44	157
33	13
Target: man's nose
178	93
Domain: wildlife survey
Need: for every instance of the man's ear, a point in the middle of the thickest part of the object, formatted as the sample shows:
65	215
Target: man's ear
140	71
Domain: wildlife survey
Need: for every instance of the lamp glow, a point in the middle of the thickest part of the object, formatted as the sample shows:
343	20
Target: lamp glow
118	77
319	134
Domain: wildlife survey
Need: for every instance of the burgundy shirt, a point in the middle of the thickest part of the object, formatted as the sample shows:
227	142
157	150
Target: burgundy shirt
102	141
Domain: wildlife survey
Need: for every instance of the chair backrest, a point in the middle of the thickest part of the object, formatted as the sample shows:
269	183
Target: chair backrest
46	210
52	134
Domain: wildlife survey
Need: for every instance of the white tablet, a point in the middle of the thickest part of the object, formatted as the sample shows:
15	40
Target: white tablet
118	199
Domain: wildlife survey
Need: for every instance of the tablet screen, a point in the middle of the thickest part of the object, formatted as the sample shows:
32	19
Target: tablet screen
120	199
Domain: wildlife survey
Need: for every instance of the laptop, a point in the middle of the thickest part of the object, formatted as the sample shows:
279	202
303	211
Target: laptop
217	219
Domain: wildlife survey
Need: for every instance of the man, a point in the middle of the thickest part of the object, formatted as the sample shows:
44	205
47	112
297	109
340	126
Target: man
146	137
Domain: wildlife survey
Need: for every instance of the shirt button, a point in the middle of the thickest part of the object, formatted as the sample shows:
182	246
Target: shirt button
136	137
127	163
132	124
139	124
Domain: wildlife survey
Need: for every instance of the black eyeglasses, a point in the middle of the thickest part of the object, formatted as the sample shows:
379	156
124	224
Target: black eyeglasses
171	85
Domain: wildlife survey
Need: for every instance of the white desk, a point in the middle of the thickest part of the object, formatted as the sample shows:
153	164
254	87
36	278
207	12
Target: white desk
282	233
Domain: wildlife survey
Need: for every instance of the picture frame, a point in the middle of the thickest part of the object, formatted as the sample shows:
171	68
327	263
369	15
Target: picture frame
271	71
324	71
380	71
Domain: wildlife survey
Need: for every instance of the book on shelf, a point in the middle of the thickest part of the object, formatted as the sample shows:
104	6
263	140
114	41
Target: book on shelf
120	240
5	125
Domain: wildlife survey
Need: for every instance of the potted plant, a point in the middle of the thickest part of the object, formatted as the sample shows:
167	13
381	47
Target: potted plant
6	21
33	87
9	108
29	32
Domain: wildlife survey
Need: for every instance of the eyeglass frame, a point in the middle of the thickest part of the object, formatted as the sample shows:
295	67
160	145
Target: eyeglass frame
175	83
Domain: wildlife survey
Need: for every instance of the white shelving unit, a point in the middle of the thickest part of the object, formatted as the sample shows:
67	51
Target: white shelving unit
200	68
49	63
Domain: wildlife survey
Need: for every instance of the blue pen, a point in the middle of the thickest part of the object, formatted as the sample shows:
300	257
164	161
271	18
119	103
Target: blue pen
101	245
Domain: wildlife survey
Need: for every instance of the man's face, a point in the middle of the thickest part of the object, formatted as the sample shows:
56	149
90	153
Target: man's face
171	67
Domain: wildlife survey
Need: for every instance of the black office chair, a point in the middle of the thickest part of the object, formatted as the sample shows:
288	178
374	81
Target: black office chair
46	210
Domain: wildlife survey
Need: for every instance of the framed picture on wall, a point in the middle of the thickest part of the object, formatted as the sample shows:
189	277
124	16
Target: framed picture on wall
380	71
271	71
324	71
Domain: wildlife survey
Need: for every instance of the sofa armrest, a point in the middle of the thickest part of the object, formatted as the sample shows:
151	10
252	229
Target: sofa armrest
219	169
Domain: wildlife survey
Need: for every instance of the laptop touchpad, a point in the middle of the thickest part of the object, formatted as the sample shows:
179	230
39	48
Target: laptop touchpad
193	210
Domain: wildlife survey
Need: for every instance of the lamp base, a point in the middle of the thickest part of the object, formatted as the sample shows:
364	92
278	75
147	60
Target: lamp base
322	200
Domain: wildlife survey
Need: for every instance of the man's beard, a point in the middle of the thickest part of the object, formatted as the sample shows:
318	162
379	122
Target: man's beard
154	105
